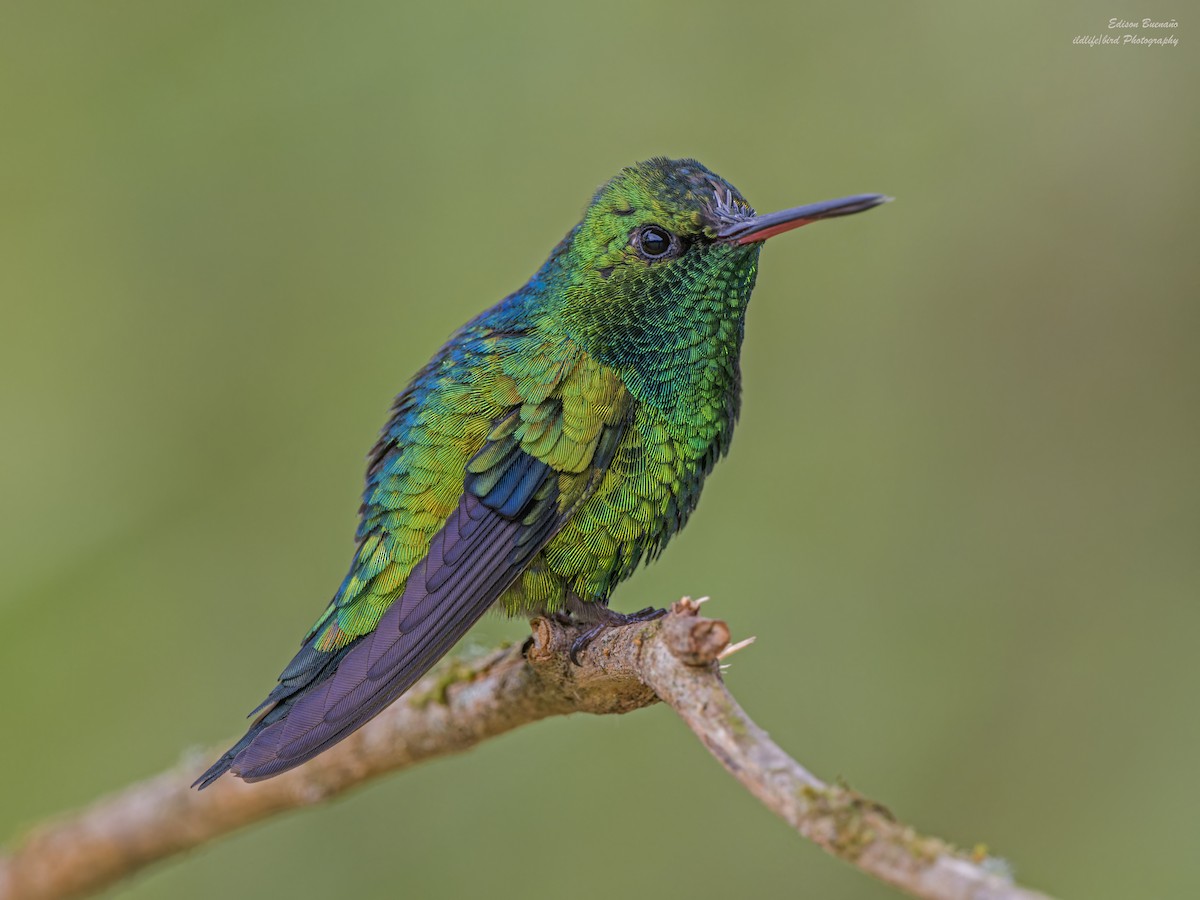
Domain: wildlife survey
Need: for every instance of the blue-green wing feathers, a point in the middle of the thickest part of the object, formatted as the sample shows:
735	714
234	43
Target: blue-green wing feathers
390	622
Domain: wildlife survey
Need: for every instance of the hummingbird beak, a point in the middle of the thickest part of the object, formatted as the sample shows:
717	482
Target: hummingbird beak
759	228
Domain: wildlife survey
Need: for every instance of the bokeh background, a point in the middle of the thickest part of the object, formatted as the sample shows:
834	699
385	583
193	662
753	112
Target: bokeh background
960	511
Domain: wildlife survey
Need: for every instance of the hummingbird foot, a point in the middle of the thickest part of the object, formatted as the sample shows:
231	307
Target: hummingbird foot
611	619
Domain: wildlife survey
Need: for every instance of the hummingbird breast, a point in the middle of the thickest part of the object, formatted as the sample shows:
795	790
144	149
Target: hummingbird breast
646	494
676	352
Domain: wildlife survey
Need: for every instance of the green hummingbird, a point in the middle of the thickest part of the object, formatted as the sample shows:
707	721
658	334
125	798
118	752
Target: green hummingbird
555	442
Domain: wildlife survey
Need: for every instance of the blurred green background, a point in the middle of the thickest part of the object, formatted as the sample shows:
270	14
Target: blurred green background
960	512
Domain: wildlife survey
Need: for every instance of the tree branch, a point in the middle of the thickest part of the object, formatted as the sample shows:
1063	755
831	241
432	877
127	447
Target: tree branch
465	702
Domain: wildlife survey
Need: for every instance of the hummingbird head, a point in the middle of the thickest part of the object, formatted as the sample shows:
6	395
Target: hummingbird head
659	271
654	233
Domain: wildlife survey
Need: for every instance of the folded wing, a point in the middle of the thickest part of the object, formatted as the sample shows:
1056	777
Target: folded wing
517	491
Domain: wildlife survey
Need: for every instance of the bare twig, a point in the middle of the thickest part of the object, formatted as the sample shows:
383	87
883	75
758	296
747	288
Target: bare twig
466	702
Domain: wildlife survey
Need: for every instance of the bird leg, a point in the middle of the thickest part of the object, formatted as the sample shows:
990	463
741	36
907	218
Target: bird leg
610	618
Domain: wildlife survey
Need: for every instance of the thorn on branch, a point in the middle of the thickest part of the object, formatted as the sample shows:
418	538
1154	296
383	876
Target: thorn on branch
734	648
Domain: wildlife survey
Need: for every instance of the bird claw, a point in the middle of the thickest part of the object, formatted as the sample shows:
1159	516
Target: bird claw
580	643
611	620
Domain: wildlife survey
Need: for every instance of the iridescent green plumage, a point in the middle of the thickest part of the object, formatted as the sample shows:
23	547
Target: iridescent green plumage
553	444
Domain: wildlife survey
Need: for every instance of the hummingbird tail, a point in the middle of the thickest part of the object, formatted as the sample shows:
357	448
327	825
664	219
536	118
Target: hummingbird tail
471	561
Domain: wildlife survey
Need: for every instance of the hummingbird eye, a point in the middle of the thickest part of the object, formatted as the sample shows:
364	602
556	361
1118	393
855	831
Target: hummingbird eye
653	242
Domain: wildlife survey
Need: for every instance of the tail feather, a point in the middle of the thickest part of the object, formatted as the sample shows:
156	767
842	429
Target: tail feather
417	631
470	563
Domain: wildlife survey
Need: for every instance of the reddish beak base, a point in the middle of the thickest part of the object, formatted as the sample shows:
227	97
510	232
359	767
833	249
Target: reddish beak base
759	228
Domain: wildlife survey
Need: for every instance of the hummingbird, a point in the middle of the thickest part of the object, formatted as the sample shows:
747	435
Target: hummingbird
554	443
